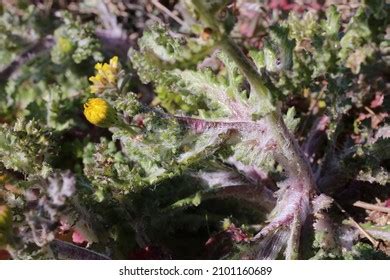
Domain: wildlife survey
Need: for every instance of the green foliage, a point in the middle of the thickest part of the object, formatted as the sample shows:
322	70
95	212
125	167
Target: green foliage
160	52
363	251
13	33
74	41
210	151
25	148
278	50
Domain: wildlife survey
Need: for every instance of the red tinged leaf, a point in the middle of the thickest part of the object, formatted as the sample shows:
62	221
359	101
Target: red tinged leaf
4	255
377	101
221	243
79	238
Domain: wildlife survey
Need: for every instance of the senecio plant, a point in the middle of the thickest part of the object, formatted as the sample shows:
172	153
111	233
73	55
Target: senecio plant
224	152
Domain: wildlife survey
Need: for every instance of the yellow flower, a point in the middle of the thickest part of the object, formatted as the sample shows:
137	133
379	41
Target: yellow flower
321	104
106	75
5	217
5	225
99	112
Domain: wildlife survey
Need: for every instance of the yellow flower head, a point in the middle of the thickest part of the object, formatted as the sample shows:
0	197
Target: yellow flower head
99	112
106	75
5	217
5	225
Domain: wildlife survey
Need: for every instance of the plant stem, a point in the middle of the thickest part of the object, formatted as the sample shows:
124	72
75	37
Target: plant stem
373	241
246	66
297	164
287	152
372	207
290	154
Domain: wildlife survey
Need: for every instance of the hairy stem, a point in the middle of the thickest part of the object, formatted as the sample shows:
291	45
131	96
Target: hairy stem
246	66
295	163
287	153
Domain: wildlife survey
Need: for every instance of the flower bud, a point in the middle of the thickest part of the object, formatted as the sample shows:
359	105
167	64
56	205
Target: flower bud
100	113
